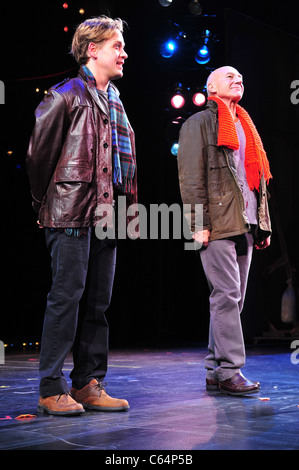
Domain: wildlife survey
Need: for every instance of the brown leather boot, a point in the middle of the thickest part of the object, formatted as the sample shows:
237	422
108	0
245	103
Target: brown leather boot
94	397
60	405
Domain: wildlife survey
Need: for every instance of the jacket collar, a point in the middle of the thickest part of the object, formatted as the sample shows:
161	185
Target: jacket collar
83	76
212	105
92	89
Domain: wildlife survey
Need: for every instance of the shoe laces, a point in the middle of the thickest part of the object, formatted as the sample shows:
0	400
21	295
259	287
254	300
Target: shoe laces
101	386
62	395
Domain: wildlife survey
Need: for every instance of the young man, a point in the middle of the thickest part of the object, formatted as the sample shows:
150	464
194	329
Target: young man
81	155
223	166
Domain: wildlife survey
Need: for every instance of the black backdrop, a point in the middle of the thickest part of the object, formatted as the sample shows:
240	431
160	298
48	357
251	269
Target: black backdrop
160	293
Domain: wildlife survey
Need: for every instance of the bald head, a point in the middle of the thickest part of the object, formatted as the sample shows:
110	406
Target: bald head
225	81
216	74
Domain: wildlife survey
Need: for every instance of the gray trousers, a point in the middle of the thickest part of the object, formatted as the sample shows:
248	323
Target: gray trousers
226	264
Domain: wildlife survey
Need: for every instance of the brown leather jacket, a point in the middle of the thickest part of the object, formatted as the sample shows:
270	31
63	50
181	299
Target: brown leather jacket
69	159
207	176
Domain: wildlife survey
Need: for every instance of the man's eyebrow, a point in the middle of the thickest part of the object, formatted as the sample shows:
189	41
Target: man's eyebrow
232	73
118	42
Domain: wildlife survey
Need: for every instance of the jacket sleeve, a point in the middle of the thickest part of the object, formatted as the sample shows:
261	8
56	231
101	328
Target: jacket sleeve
192	170
45	144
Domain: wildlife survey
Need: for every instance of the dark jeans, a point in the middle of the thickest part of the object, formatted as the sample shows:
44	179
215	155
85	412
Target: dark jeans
82	274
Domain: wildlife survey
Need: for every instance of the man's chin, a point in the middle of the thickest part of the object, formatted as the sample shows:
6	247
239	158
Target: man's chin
117	76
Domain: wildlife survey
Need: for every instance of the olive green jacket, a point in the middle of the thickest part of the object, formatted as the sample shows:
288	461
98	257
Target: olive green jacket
208	177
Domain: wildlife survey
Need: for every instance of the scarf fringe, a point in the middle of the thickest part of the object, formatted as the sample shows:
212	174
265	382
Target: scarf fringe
71	232
123	184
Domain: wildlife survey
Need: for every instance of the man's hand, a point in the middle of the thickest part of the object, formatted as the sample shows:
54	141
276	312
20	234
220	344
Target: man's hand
202	237
264	244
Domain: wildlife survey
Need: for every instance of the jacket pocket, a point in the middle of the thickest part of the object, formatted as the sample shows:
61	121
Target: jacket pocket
223	213
72	173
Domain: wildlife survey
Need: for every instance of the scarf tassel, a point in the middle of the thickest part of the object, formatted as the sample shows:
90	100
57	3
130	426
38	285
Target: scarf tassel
253	174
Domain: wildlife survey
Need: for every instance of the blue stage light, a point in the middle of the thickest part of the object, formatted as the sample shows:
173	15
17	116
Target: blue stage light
174	149
202	55
168	48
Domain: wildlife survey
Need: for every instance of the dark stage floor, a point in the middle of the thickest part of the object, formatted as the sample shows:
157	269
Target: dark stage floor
170	408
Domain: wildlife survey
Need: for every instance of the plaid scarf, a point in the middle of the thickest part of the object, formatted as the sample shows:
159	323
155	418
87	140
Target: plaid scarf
256	162
122	155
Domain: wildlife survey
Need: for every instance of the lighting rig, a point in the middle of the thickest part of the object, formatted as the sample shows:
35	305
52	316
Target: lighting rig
186	51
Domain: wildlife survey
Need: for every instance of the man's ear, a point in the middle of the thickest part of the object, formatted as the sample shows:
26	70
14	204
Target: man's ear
211	88
92	50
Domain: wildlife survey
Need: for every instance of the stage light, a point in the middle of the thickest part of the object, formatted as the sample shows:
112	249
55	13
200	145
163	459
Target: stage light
175	37
165	3
202	55
174	149
195	8
177	101
199	99
168	48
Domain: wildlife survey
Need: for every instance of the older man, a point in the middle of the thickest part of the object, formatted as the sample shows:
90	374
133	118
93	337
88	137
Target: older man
223	166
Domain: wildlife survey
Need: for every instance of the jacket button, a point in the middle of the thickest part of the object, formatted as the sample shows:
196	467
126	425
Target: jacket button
105	145
106	195
105	170
106	121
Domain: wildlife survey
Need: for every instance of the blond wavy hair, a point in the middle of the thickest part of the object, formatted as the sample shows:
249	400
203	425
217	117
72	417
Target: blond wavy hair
96	30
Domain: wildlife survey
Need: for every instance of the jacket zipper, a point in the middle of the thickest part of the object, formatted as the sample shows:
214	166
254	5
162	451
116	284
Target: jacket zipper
237	184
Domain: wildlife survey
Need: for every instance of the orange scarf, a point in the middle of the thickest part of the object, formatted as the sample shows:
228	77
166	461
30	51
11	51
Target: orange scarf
256	162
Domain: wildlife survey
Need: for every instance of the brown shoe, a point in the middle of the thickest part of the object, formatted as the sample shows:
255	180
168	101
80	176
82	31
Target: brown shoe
212	384
94	397
60	405
239	385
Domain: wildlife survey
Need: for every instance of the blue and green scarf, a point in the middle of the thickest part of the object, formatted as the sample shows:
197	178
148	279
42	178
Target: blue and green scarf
122	155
